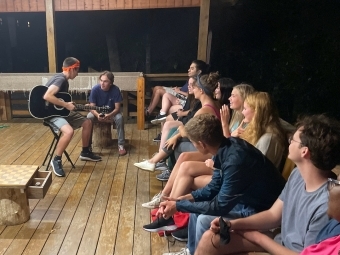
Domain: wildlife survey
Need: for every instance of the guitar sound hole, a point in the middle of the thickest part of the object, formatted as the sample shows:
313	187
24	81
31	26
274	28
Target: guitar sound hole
57	107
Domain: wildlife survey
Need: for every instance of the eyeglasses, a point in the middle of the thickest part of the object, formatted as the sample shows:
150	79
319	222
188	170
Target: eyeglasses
290	139
332	183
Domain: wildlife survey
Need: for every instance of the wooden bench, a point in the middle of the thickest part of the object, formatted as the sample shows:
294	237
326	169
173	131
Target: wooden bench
18	183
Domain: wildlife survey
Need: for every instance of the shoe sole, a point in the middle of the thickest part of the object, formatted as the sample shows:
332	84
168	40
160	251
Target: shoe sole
89	159
55	171
157	121
180	239
156	141
165	228
162	179
149	206
145	169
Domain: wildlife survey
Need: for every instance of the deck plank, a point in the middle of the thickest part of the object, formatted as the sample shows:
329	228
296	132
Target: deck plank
96	208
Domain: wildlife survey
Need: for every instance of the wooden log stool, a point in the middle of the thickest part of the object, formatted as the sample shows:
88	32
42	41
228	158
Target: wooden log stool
18	183
102	135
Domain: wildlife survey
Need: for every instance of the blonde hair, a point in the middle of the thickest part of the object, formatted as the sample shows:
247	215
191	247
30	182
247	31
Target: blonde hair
244	90
266	119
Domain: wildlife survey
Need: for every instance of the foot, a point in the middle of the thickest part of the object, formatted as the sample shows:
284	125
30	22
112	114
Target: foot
158	138
183	251
181	234
161	224
164	176
89	156
121	150
145	165
155	201
159	118
161	166
57	168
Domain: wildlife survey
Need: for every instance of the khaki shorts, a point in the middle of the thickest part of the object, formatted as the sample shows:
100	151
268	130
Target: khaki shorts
75	120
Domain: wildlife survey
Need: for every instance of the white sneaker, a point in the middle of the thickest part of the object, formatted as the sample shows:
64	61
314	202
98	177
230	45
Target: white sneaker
183	251
155	201
145	165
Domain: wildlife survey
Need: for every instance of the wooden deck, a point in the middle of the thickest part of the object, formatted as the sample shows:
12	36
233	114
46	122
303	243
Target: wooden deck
95	209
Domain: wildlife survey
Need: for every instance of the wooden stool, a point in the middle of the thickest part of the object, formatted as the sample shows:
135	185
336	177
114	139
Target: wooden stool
102	136
18	183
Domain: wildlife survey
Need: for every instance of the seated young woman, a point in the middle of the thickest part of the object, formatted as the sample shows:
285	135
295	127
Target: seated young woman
197	67
175	119
203	90
263	131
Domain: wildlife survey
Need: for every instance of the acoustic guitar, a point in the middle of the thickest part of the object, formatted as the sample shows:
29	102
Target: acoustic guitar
41	109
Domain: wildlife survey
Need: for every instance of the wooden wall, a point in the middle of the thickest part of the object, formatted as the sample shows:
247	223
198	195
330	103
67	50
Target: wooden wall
92	5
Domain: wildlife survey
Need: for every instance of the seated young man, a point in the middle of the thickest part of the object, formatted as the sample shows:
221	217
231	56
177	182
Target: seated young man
244	181
59	83
107	94
301	207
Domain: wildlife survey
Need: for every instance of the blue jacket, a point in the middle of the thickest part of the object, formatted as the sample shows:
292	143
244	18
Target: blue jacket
243	175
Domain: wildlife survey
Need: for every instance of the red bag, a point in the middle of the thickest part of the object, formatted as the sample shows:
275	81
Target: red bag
181	220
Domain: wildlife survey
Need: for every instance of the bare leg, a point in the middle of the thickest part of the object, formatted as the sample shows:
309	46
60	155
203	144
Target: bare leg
191	175
168	100
86	132
185	156
168	118
165	131
67	134
157	94
237	244
158	157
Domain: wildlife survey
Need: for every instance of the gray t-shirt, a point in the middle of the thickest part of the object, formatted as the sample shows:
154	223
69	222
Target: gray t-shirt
59	80
304	213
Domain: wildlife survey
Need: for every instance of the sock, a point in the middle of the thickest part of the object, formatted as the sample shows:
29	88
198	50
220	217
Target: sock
86	150
162	113
57	157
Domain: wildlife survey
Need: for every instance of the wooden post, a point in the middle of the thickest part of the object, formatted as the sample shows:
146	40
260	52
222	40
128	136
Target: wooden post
5	106
203	30
140	103
51	40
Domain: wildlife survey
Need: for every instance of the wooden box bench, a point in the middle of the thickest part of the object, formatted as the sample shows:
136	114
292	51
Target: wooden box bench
18	183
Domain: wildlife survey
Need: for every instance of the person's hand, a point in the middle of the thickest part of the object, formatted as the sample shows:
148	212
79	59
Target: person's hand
215	226
169	208
177	101
70	106
176	89
238	131
171	143
209	163
180	113
225	114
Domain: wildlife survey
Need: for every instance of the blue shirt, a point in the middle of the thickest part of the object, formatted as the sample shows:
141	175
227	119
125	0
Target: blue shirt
185	87
330	230
242	175
106	98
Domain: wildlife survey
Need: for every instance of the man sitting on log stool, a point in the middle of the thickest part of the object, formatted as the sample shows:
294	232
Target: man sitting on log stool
108	94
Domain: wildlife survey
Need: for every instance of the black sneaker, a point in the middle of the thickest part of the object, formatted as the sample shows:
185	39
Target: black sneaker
164	176
89	156
57	168
159	118
161	224
158	138
181	234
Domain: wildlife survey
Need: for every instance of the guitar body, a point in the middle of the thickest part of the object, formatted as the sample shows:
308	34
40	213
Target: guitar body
41	109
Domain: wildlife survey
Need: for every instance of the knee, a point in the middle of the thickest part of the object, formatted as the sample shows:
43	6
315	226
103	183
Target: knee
68	132
87	124
204	242
184	156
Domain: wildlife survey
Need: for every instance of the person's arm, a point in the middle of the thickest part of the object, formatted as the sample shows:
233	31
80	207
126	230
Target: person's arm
115	111
266	243
265	220
50	97
225	118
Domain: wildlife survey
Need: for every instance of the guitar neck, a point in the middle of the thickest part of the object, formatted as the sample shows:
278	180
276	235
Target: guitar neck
88	107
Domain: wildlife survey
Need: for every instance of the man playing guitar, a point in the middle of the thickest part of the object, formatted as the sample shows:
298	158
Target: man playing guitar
59	83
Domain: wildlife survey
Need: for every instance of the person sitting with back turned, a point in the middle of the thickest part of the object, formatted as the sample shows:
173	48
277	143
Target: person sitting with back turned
59	83
301	207
108	94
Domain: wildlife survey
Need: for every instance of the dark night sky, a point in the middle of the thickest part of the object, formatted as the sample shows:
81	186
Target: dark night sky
289	48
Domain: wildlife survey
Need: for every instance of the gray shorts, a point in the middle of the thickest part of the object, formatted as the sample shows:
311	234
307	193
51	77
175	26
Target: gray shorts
75	120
